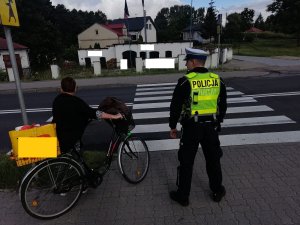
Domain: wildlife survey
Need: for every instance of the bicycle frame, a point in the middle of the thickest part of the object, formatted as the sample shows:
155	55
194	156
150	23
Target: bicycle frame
115	140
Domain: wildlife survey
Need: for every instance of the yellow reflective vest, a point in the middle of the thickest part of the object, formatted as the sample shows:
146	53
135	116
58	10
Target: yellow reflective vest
205	90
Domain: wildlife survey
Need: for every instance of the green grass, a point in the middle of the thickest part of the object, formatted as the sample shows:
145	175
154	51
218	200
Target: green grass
268	48
11	175
82	72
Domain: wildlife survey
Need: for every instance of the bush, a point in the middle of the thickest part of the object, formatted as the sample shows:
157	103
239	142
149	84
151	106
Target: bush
3	76
272	35
10	174
249	37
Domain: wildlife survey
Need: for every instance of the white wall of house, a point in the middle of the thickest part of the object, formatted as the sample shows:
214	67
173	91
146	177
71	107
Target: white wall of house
116	51
195	36
23	56
136	34
108	53
98	34
151	32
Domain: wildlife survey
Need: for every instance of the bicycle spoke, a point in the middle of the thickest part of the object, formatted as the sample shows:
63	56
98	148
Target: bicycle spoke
52	188
133	159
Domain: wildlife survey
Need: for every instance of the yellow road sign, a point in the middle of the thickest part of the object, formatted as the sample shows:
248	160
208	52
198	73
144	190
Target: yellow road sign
8	13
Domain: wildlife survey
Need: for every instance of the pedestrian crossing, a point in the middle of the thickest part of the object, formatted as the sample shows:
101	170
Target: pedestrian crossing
247	120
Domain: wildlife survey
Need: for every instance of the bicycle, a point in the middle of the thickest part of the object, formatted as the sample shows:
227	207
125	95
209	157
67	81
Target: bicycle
54	186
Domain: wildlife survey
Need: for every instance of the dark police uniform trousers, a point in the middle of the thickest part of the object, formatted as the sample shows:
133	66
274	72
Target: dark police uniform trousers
192	134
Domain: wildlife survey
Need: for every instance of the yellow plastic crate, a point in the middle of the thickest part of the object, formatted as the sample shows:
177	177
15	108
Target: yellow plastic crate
26	161
46	130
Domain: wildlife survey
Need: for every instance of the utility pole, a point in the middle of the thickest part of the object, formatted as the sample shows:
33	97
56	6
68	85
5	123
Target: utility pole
219	28
9	17
191	22
145	22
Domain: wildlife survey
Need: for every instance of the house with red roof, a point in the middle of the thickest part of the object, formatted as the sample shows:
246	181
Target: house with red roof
118	31
254	30
21	53
104	35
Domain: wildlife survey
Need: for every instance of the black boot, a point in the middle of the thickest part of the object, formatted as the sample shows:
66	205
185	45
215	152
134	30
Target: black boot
175	196
217	196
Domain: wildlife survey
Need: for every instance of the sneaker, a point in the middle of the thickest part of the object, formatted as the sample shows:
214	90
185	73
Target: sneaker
217	196
177	198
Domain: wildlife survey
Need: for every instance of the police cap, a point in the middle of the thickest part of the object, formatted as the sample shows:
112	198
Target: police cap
192	53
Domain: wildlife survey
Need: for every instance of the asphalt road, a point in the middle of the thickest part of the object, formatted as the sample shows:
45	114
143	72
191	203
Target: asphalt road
284	103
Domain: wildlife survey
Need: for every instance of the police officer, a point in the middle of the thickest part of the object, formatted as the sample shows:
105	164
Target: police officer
199	103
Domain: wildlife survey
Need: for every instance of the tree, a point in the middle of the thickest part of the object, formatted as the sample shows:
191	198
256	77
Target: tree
162	22
232	32
51	32
247	19
286	16
38	32
210	22
259	22
198	16
270	23
171	21
178	20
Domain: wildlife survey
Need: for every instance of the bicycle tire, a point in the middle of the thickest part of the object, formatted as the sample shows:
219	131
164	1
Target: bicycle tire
52	188
133	159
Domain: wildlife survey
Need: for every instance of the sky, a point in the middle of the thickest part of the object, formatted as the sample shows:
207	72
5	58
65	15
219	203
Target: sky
114	9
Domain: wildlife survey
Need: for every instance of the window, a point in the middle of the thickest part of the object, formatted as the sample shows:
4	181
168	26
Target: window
96	31
168	54
143	55
133	37
154	55
149	26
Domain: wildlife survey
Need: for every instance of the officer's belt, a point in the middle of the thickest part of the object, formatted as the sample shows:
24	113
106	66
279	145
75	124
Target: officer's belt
203	119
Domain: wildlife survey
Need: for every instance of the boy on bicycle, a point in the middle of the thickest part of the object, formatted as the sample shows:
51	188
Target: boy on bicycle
71	115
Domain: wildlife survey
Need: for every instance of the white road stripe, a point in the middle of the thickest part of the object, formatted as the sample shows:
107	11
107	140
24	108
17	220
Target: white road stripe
10	111
170	97
233	139
151	105
240	100
246	109
154	88
166	114
167	104
274	94
139	99
165	84
234	93
159	88
153	93
153	98
154	85
239	122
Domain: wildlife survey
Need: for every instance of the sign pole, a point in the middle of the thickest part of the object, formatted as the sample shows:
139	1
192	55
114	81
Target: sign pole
16	72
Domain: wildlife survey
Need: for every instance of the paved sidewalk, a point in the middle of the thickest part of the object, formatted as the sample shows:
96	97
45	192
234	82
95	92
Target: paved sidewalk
262	182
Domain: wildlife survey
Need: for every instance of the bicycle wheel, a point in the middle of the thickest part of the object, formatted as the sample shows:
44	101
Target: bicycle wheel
133	159
51	188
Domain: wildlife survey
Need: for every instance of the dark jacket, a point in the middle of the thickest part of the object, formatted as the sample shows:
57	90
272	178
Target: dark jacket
181	95
71	115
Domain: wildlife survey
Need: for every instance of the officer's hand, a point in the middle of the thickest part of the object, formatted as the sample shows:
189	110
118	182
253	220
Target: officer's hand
173	133
218	126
